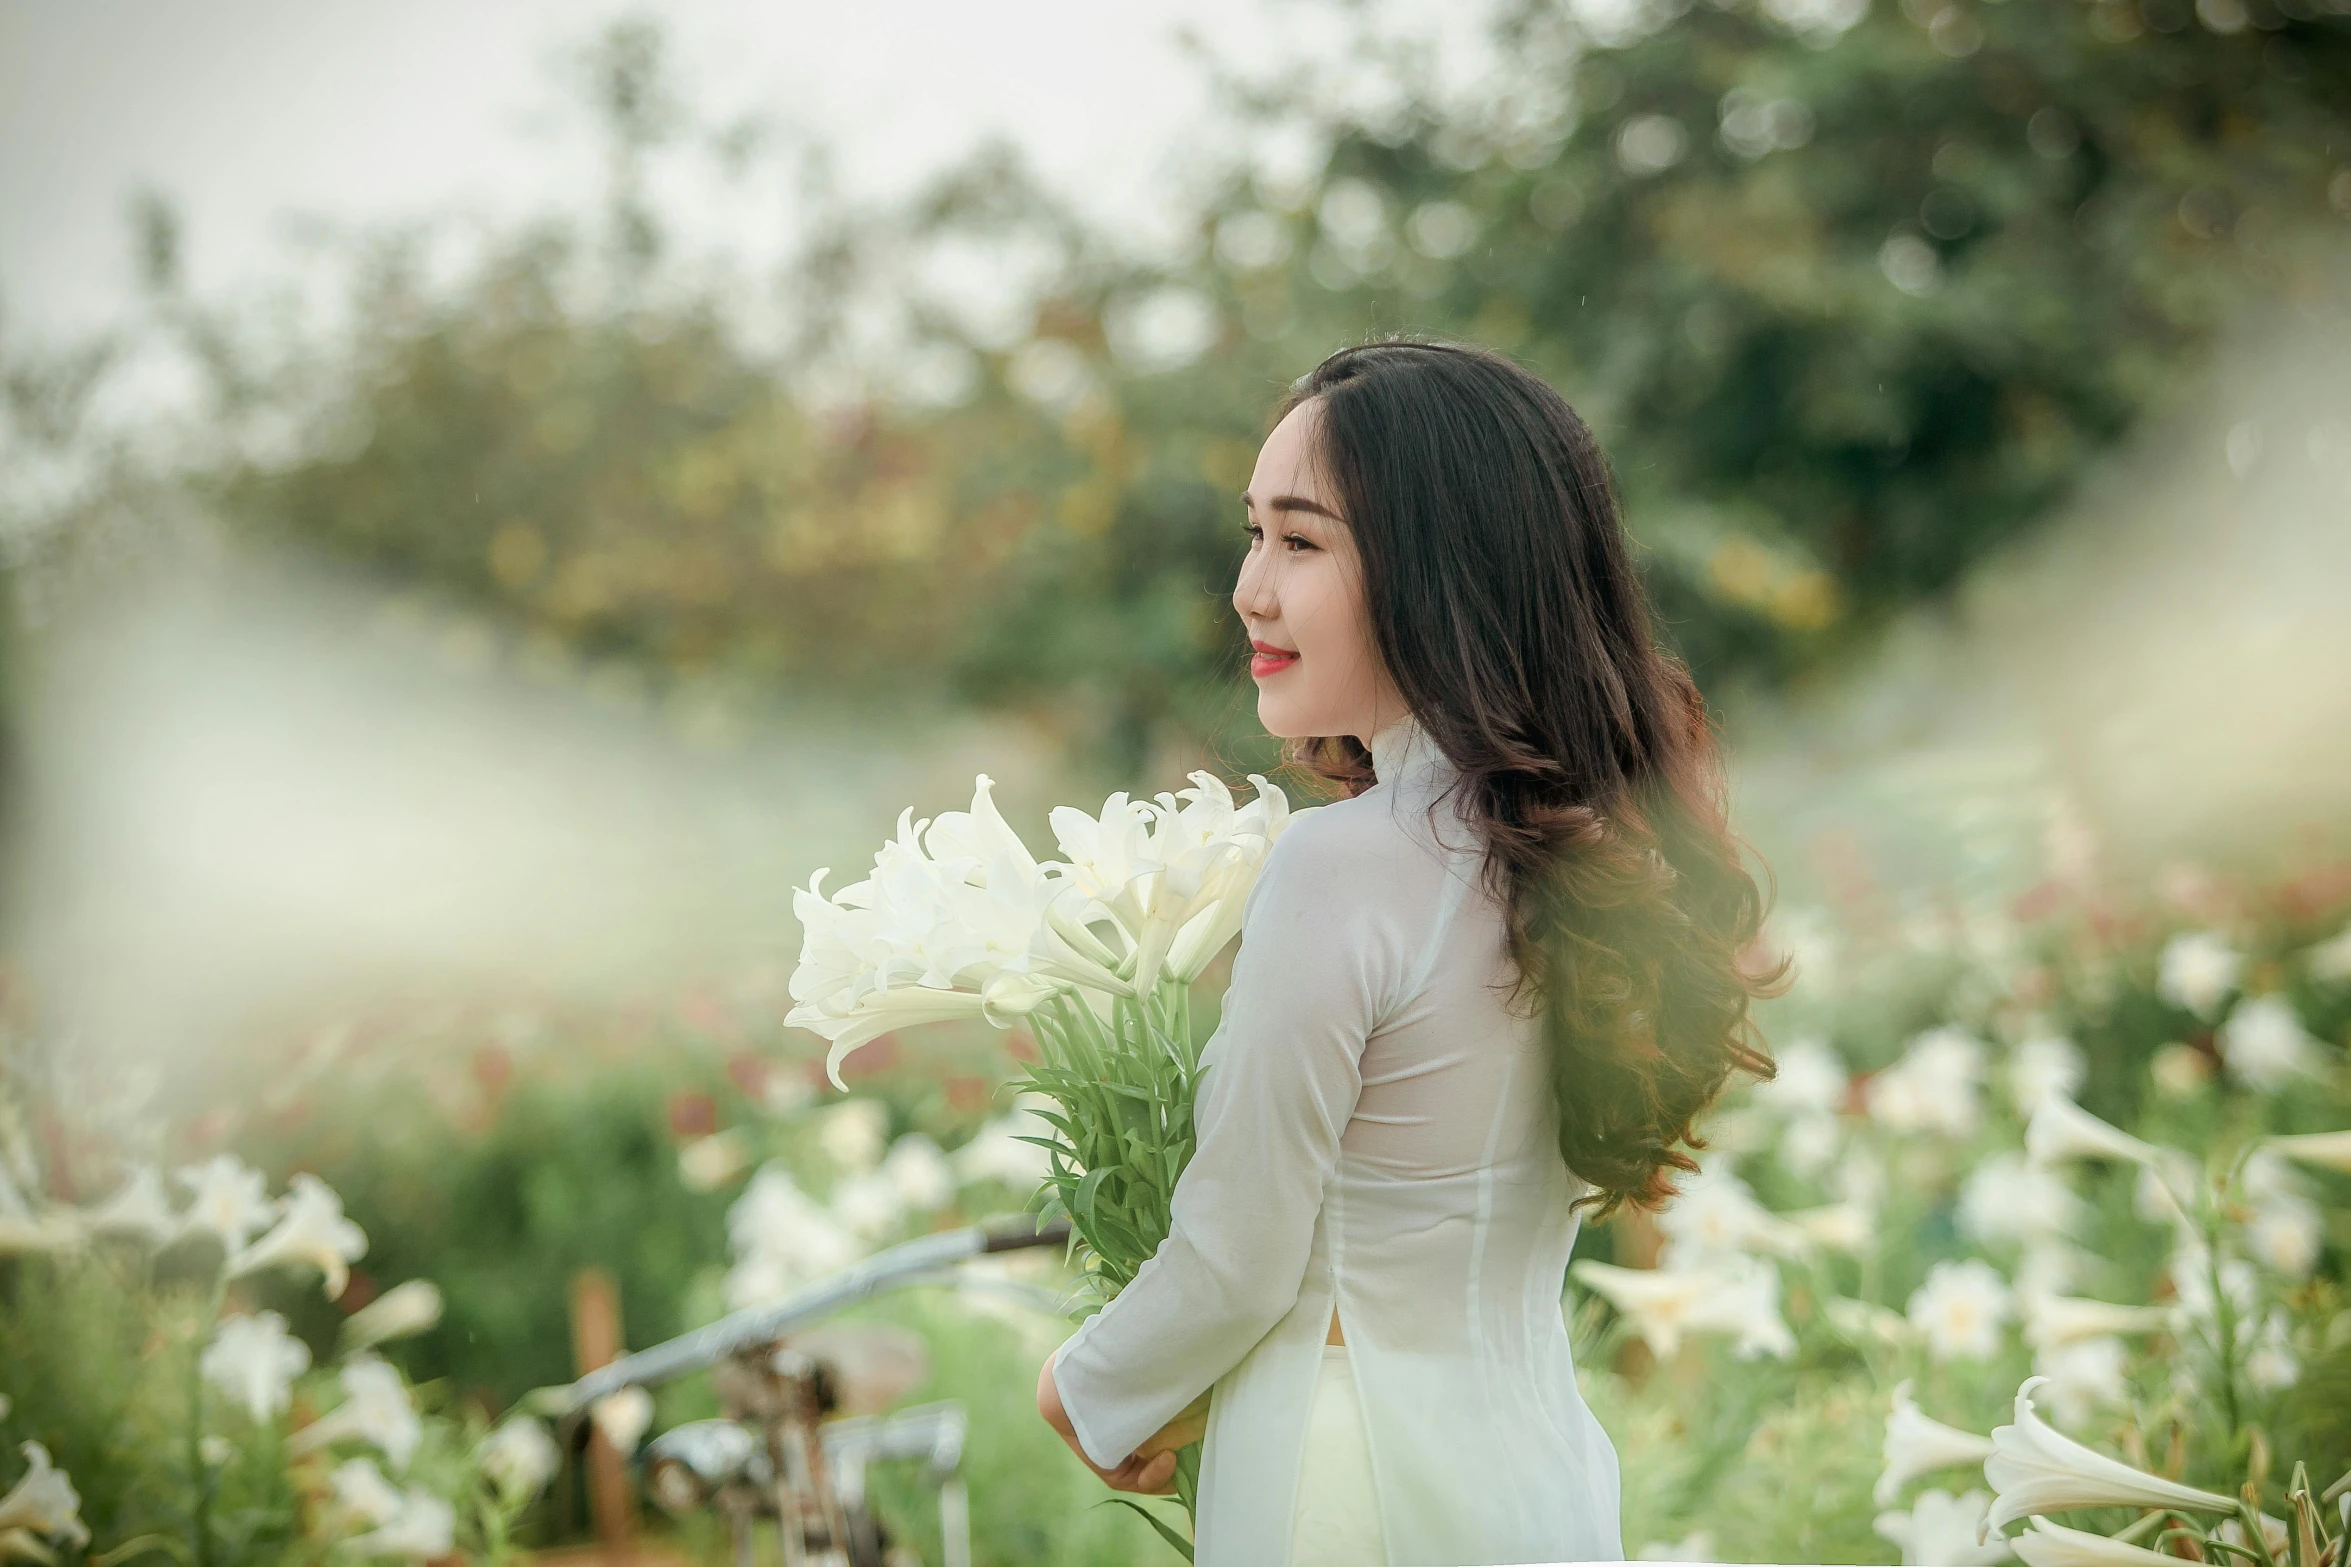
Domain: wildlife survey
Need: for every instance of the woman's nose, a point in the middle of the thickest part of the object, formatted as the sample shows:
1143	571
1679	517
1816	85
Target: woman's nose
1253	589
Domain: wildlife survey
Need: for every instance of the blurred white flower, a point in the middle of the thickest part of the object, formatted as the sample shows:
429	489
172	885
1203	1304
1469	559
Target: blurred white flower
43	1502
2060	1129
869	1204
2049	1266
1716	1212
227	1199
1918	1444
996	1152
520	1457
1839	1226
1861	1321
2054	1321
1810	1143
2327	1150
313	1232
2034	1468
623	1418
782	1238
2190	1270
2197	971
375	1410
53	1229
1940	1530
140	1208
404	1310
854	1133
1738	1295
707	1163
2083	1374
2008	1198
2179	1071
424	1529
254	1361
1696	1546
2273	1366
2052	1545
2330	959
2264	1046
1934	1087
920	1172
1810	1082
1960	1309
2044	1064
362	1498
2285	1233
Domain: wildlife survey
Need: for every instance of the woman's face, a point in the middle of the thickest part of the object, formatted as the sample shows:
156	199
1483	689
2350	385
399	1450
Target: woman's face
1300	597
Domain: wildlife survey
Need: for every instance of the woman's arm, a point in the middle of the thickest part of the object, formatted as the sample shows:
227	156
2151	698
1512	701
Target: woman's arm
1319	960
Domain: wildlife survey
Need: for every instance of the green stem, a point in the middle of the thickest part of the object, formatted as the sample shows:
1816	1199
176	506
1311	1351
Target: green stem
198	1470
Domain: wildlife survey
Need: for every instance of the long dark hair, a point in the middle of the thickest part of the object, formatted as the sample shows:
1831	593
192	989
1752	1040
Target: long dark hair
1505	604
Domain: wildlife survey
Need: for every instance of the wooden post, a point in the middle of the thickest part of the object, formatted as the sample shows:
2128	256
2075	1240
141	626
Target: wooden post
596	1342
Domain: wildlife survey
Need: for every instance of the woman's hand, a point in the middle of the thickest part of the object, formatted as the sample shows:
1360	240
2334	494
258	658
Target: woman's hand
1150	1469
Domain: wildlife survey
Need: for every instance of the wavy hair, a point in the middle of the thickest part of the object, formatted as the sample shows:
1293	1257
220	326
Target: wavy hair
1504	602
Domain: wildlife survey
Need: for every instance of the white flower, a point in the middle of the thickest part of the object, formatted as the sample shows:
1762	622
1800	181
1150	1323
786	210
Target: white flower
424	1528
2060	1129
853	1133
1716	1212
623	1417
2054	1321
2048	1266
363	1497
707	1163
782	1238
227	1199
520	1457
375	1410
2052	1545
2327	1150
920	1172
140	1208
1917	1444
2197	971
399	1312
1739	1296
1960	1308
2082	1374
2179	1071
1809	1144
1696	1546
2285	1233
2044	1064
54	1229
2273	1366
43	1502
1839	1226
1933	1088
313	1232
1941	1530
2330	959
2035	1469
2264	1046
1810	1081
996	1152
1861	1321
254	1360
2008	1198
869	1204
2190	1270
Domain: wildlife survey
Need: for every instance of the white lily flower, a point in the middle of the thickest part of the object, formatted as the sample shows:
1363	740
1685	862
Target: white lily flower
52	1229
43	1502
402	1311
782	1238
2330	959
1716	1212
2049	1266
2264	1046
2082	1375
1917	1444
2053	1321
1941	1530
2273	1366
2285	1234
1811	1081
1859	1320
2007	1197
2327	1150
1934	1087
1809	1144
425	1528
1960	1309
1839	1226
708	1163
313	1232
254	1360
2190	1271
362	1496
2197	970
2052	1545
227	1200
2042	1064
520	1457
140	1208
2034	1468
997	1153
919	1171
1736	1295
2060	1129
869	1204
854	1134
375	1410
623	1418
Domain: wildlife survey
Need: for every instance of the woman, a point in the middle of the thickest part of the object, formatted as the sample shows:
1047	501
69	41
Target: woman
1489	989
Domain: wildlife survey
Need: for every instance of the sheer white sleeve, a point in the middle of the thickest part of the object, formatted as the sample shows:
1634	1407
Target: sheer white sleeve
1322	956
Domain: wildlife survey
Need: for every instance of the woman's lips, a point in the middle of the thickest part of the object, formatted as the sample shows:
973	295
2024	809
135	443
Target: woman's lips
1270	660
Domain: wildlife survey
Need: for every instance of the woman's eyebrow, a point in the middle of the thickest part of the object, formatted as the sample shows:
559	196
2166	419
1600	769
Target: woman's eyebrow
1292	503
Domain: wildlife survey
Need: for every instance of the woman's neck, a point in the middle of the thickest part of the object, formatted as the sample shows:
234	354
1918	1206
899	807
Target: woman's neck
1404	750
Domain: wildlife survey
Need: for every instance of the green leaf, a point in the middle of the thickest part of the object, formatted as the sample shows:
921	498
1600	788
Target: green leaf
1182	1545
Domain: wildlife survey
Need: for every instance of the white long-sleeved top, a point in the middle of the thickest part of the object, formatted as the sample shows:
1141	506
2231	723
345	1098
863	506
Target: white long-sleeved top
1377	1133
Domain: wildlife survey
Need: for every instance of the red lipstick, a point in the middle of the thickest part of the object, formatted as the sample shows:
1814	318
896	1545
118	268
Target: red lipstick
1270	660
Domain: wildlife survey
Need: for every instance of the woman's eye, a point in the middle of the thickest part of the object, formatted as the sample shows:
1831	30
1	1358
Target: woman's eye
1256	534
1298	542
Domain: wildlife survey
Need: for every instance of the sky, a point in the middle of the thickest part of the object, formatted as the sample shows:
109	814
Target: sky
251	115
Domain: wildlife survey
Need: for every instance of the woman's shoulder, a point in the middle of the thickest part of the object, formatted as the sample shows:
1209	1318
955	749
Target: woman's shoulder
1371	842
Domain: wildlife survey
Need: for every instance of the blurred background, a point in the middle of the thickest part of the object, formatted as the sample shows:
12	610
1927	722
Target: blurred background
492	500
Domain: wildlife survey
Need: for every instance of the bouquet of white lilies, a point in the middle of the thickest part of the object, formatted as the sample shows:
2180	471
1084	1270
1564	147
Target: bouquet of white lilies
1095	952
